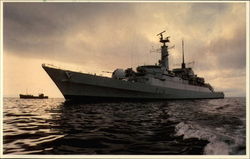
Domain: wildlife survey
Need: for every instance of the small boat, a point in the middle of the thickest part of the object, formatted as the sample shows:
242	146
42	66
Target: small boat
28	96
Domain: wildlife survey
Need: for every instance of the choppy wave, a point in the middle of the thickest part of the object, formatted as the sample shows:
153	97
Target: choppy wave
221	122
52	126
219	143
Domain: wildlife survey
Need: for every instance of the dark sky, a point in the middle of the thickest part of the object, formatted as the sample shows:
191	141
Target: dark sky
94	37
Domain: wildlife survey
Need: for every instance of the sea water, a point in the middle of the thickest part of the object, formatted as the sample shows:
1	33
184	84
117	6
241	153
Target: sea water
178	127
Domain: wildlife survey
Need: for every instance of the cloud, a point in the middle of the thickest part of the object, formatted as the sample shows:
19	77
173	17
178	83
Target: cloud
64	30
107	36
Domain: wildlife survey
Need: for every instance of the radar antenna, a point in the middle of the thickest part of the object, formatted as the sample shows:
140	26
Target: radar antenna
161	33
164	41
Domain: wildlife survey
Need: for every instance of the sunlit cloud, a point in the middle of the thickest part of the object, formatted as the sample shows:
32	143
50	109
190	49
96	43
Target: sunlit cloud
96	37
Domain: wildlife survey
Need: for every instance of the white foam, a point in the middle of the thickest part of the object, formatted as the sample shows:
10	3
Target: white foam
189	130
219	143
217	148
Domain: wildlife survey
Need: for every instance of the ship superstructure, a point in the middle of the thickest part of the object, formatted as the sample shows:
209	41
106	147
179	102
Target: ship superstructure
148	82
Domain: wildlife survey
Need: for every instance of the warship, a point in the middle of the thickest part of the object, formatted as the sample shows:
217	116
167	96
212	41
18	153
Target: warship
148	82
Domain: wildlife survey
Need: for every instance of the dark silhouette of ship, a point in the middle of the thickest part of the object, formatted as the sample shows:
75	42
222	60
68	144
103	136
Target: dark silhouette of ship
148	82
29	96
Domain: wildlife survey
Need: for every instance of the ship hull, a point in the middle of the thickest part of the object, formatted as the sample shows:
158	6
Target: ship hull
22	96
86	87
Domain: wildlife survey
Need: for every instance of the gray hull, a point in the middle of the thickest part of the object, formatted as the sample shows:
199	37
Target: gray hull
86	87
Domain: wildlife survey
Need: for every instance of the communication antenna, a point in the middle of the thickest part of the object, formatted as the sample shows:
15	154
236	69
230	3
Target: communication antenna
159	49
154	50
107	72
191	64
176	64
183	65
172	47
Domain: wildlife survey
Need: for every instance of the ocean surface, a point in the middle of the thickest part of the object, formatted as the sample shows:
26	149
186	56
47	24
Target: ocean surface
184	127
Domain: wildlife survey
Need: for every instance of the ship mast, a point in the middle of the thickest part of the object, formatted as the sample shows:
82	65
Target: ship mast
183	65
164	51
